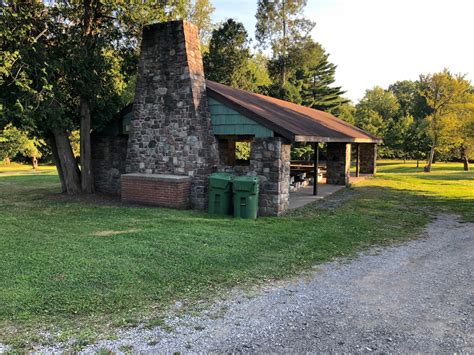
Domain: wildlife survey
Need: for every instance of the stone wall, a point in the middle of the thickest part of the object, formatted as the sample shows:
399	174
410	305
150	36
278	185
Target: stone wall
338	163
368	158
157	190
270	160
108	162
171	130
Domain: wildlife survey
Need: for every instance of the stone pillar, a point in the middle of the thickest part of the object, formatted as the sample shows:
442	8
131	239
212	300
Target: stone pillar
270	160
108	162
338	163
171	131
368	158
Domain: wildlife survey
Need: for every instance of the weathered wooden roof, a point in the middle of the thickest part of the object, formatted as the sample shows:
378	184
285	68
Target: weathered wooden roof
294	122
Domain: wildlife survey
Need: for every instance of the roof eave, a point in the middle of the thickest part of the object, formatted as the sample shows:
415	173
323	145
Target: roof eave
305	138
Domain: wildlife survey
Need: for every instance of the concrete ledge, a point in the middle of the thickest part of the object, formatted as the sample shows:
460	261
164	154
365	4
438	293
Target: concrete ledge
170	191
158	177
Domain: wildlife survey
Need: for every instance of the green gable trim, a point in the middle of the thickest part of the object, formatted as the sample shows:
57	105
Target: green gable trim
226	121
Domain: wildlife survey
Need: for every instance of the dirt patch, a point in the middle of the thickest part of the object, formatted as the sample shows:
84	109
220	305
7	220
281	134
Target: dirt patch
109	233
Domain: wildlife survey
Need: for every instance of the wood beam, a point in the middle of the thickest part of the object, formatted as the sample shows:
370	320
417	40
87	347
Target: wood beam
315	168
357	160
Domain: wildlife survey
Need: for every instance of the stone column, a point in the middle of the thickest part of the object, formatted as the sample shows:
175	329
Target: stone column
171	131
270	160
368	158
338	163
108	162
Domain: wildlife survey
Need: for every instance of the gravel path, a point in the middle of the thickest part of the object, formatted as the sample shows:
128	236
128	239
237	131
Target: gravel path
417	297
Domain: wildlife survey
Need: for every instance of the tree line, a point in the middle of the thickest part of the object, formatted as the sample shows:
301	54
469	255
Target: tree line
418	119
422	119
70	66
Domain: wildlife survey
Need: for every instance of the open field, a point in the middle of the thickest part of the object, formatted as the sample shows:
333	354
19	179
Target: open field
15	169
86	268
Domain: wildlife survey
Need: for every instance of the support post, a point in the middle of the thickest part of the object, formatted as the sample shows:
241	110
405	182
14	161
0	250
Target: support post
338	163
357	160
368	157
315	168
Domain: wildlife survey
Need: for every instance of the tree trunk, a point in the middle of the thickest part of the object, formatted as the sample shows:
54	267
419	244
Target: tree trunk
417	163
34	162
465	157
90	17
57	163
87	181
283	64
7	161
67	166
430	159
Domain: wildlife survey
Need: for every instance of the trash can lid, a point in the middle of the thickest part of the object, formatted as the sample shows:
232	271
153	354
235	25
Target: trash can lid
246	183
221	176
246	178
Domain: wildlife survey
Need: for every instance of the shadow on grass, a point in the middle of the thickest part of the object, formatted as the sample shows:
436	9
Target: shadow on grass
410	169
385	199
468	176
449	178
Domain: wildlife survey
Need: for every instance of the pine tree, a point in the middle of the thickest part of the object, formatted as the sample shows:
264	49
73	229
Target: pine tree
318	90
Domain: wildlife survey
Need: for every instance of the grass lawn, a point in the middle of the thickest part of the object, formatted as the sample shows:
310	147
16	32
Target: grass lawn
79	269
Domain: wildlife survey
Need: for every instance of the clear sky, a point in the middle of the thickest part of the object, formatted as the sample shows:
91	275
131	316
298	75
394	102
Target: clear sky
377	42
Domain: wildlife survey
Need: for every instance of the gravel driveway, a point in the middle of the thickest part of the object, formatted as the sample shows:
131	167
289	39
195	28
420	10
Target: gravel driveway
417	297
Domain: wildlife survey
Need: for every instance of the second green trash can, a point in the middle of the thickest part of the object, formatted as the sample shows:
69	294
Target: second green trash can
220	193
245	196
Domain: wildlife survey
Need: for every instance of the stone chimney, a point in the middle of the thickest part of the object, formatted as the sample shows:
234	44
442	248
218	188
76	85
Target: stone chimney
171	130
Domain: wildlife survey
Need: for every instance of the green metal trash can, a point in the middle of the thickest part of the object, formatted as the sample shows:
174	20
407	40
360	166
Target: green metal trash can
220	193
245	196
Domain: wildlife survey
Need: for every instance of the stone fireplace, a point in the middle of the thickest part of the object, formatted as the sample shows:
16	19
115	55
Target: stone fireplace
171	131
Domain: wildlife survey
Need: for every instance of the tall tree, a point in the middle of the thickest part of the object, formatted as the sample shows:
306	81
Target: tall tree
282	26
347	112
376	112
258	66
376	109
410	99
317	77
66	64
465	132
12	141
34	94
227	61
449	97
417	140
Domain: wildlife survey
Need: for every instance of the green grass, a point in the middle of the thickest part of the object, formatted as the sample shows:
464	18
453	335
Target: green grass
71	264
16	168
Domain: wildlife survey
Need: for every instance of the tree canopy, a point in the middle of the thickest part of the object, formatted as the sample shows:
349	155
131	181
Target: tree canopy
282	26
228	58
451	100
68	65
